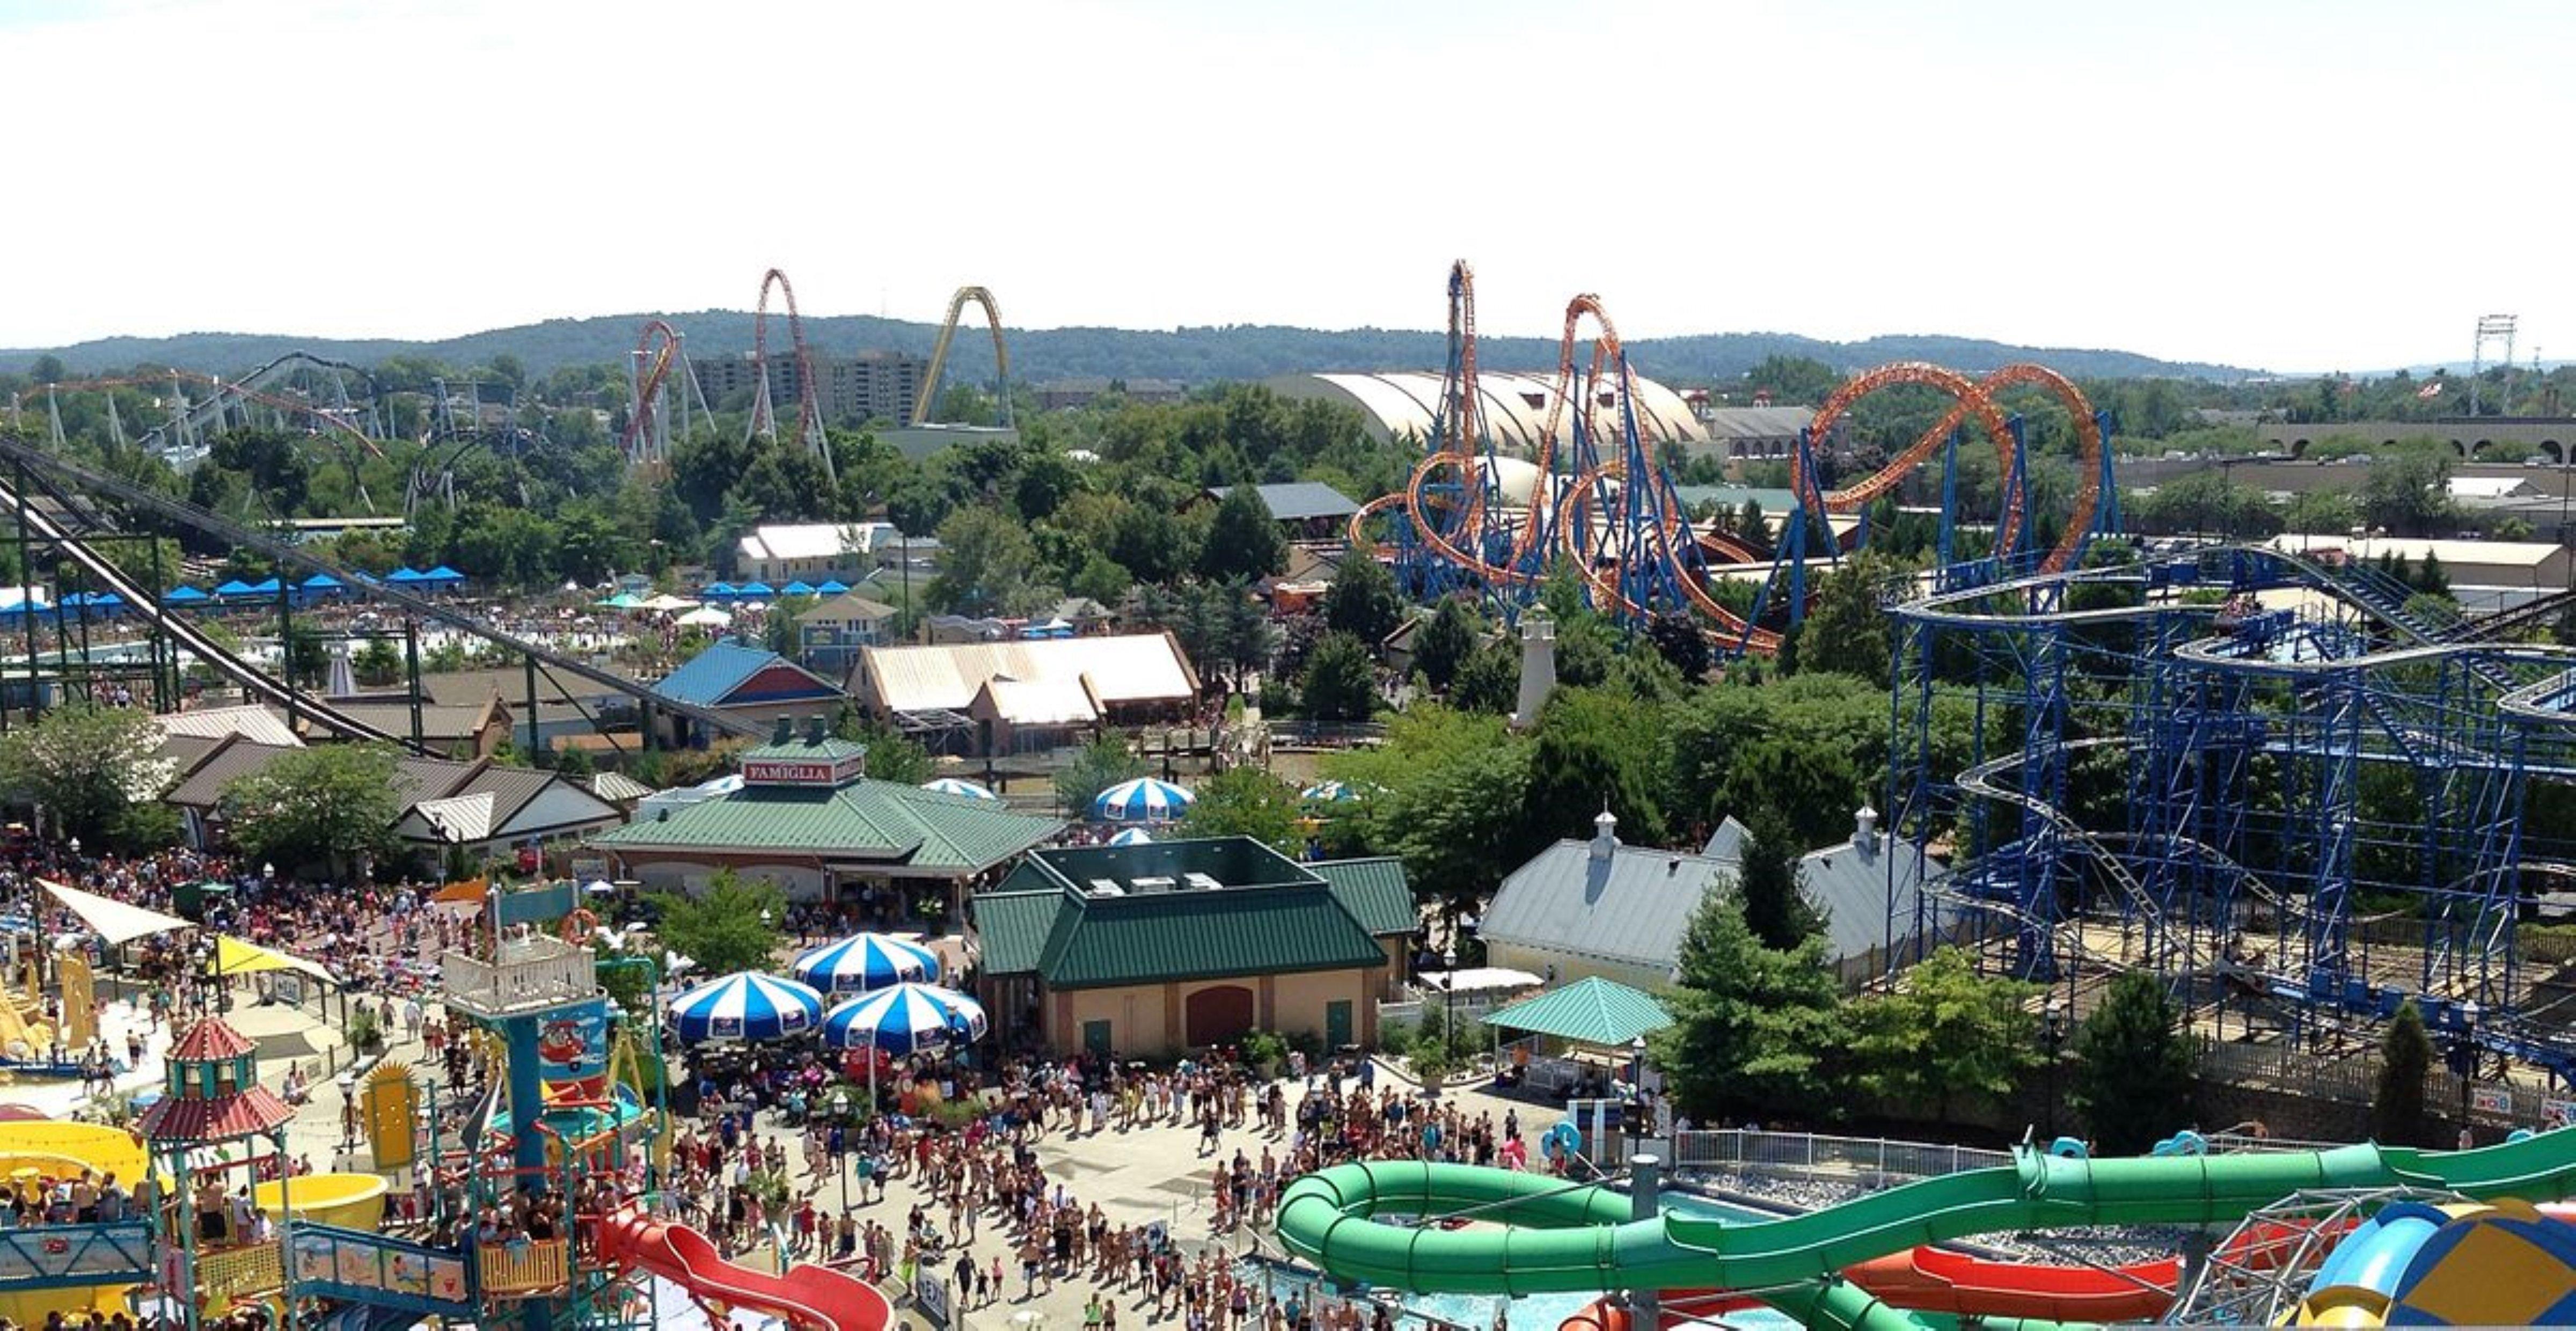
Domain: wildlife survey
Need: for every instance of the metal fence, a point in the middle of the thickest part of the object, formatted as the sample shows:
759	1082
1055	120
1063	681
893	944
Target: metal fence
1873	1158
2354	1080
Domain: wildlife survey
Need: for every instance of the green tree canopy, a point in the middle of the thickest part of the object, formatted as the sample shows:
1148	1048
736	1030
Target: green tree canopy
1243	541
1776	907
1751	1026
732	926
1441	645
2405	1056
1945	1032
1095	767
1340	684
331	803
2133	1067
1363	600
1597	747
1246	801
89	769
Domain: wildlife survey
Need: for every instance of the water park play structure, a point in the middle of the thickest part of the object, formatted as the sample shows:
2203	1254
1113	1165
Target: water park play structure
1529	1233
1599	499
539	1008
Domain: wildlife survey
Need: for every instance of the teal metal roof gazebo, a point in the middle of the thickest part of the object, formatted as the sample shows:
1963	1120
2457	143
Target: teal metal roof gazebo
1591	1011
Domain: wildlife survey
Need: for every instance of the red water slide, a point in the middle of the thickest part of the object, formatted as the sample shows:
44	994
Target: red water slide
810	1298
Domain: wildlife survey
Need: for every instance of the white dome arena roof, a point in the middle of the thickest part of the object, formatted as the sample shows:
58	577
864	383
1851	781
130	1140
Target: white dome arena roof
1400	404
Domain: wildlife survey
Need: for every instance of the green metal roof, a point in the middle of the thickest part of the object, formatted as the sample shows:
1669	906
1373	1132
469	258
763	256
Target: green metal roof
1012	927
1591	1010
1375	892
826	750
1152	937
865	820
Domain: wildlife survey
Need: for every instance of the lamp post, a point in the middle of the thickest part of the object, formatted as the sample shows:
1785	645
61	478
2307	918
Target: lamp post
1449	996
841	1162
2464	1061
2052	1034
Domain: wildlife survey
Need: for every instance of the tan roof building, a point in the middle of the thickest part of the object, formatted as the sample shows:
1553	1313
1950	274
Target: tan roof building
1026	693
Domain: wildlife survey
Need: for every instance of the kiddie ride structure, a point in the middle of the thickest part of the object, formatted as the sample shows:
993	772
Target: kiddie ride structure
2342	1237
560	1119
1598	497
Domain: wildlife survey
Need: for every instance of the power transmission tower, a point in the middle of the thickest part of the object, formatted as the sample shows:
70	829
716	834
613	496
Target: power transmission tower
2491	328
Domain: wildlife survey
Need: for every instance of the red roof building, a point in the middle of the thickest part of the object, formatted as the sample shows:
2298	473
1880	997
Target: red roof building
213	1092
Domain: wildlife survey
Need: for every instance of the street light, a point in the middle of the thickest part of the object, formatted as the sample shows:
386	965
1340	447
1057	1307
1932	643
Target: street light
2464	1061
2052	1033
1449	996
841	1160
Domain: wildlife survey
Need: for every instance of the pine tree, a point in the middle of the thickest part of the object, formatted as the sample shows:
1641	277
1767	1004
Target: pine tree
2133	1067
2405	1055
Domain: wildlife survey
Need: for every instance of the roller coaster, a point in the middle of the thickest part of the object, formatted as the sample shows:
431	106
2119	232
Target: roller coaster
76	510
2278	783
661	354
809	403
922	405
355	425
1599	499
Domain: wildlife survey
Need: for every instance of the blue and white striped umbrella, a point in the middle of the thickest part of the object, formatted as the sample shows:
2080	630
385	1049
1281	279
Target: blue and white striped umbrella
863	962
1143	800
1133	836
746	1005
949	785
1329	792
907	1019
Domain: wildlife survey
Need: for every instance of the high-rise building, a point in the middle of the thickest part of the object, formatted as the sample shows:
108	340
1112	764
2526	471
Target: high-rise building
851	390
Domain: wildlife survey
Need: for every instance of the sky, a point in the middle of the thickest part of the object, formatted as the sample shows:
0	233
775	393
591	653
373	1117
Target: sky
2277	184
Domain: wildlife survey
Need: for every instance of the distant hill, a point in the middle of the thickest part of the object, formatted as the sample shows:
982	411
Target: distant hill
1191	355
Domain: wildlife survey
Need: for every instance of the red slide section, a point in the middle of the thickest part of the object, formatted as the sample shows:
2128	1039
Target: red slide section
811	1298
1939	1280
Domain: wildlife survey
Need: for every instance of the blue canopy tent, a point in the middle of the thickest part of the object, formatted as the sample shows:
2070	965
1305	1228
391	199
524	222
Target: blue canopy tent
443	578
107	601
831	587
797	588
233	590
754	591
264	587
184	596
322	584
406	577
717	591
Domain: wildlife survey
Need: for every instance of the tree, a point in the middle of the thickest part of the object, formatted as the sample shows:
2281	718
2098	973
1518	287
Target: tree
1947	1032
990	565
1597	747
1846	630
2133	1067
1363	600
1750	1025
1441	645
332	803
1243	541
1246	801
1776	907
1489	681
1458	826
1679	639
2408	493
1340	684
732	926
1095	767
2405	1055
87	768
378	663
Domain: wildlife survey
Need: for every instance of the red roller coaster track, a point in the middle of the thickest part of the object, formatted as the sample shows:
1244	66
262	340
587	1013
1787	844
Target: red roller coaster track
659	357
809	408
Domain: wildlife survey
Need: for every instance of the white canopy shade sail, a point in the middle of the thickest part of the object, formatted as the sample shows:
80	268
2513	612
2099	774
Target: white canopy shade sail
112	920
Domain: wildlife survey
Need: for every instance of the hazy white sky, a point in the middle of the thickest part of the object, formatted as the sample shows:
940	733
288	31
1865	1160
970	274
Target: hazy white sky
2293	185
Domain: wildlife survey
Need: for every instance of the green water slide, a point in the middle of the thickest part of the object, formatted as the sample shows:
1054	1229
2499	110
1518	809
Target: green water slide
1555	1238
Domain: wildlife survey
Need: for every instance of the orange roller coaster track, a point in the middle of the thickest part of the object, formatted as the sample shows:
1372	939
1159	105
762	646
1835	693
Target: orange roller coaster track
1613	513
809	405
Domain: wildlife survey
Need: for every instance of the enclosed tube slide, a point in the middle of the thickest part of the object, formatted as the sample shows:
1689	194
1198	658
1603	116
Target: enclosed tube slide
1569	1239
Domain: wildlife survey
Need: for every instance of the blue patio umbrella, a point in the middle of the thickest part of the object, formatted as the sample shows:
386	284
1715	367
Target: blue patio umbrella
718	591
754	591
865	962
905	1019
949	785
1143	800
1132	836
746	1005
797	588
1330	792
831	587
